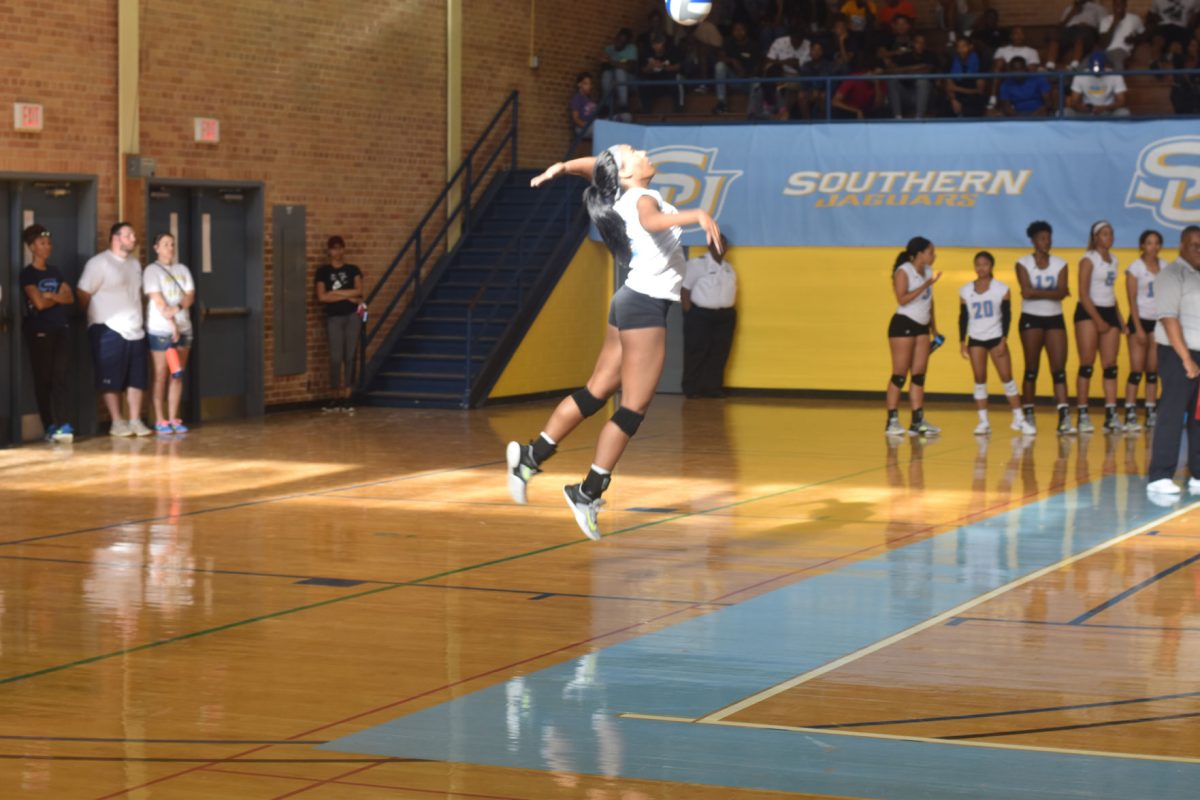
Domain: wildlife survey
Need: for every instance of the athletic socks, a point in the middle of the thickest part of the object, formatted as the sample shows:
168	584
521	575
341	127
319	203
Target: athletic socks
596	482
542	448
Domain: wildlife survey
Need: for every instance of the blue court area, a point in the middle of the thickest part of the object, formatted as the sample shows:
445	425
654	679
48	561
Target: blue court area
567	718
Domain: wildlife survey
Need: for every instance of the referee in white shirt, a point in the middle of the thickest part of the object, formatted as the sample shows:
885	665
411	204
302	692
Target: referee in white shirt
1177	293
709	292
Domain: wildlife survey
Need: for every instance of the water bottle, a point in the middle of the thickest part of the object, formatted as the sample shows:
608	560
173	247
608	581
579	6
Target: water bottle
174	363
938	341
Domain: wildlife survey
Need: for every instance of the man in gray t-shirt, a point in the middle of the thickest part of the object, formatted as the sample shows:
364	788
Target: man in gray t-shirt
1177	296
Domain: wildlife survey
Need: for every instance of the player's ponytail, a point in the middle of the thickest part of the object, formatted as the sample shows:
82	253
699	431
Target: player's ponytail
599	199
917	244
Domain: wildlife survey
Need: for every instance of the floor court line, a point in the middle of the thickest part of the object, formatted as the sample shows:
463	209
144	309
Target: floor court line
415	790
1132	590
1080	726
1073	626
770	692
950	742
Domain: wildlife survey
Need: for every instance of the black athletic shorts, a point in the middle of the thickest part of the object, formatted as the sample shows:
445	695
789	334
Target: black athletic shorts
1107	313
986	344
901	326
1030	321
1148	325
631	309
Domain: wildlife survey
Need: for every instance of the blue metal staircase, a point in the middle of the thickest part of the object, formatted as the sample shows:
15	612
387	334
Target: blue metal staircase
469	305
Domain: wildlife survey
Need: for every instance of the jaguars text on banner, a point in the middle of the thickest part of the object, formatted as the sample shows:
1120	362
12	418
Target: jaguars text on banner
957	184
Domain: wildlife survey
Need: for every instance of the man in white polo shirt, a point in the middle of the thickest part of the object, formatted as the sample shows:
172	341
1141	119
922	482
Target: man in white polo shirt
708	295
110	289
1177	298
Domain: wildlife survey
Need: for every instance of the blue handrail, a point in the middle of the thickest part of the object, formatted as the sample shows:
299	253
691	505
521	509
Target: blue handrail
469	178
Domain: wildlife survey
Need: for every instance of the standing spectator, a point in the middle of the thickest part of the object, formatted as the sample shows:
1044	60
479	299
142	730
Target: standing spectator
785	58
1169	21
620	67
339	288
110	290
583	107
48	335
1120	29
1025	94
896	8
1080	29
170	292
967	98
740	58
709	318
1177	297
1097	94
661	66
1002	58
902	54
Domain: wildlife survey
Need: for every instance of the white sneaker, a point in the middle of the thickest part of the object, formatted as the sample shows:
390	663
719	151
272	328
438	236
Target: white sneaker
1193	486
120	428
1164	486
61	436
585	510
983	429
138	428
519	473
1023	426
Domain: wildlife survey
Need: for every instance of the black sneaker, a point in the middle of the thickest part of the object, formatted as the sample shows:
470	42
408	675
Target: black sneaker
346	407
521	469
585	510
331	406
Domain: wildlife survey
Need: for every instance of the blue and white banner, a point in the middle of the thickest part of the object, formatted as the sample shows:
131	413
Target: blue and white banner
960	184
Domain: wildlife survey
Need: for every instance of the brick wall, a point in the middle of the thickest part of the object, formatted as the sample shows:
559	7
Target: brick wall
62	54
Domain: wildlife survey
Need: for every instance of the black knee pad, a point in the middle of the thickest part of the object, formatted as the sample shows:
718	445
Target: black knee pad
1086	372
588	403
1031	376
1110	373
1135	378
918	380
898	381
627	420
1059	377
1151	377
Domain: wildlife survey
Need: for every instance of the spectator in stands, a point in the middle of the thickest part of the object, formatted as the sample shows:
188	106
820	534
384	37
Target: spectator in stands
839	47
47	329
1080	31
620	66
1097	94
896	8
857	98
813	96
988	36
1169	21
968	96
1025	94
1185	89
739	58
955	17
860	14
661	65
701	50
582	106
785	58
1119	30
1004	55
902	54
655	24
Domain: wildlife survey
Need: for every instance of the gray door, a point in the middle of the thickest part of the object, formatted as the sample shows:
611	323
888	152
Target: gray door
213	232
66	208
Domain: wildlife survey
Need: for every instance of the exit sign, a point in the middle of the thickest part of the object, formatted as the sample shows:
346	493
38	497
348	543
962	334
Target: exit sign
208	130
28	116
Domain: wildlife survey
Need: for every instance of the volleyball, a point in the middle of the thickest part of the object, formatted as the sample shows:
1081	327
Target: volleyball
686	12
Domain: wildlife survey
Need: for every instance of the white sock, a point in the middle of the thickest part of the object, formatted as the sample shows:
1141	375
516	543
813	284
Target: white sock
601	470
982	412
549	441
1018	415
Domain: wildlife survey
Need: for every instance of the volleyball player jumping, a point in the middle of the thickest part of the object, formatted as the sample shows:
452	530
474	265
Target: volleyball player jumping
643	231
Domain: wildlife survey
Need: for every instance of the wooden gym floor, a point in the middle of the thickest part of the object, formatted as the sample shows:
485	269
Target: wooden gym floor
786	604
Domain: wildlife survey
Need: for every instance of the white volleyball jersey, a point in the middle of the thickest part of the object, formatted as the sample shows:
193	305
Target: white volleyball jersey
921	308
1104	278
1145	289
657	265
983	310
1043	279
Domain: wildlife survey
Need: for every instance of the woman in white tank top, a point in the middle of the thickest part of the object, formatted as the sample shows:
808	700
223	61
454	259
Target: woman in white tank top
1143	317
1043	281
911	333
1098	325
642	231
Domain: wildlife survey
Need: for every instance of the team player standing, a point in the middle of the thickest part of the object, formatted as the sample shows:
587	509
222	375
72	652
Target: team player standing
985	315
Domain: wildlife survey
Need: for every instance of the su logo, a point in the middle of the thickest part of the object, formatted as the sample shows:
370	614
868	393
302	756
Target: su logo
687	177
1167	181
